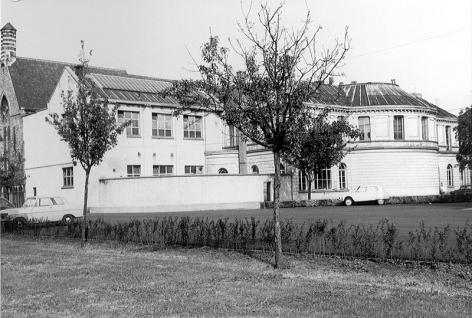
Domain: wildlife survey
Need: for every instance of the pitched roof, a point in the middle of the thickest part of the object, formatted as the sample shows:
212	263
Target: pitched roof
34	80
133	89
8	26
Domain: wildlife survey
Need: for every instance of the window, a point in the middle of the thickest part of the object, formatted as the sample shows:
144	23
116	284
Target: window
45	202
233	136
133	170
364	127
282	169
448	137
398	128
161	170
424	128
302	186
192	127
193	169
68	177
466	176
132	130
161	125
255	169
4	108
222	171
323	179
450	179
342	176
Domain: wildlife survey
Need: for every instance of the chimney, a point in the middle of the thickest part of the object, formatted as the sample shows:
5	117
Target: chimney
8	51
394	81
331	80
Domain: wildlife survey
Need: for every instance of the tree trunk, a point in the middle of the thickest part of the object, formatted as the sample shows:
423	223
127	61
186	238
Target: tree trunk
309	188
278	236
84	219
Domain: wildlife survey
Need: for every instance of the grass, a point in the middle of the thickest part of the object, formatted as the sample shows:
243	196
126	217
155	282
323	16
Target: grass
52	278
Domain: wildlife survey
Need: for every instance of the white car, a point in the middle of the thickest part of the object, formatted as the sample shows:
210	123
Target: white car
366	193
44	208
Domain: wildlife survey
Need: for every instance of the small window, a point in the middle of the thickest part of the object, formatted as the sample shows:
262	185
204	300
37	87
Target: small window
161	125
4	110
450	176
342	176
364	128
193	169
160	170
134	170
132	130
282	169
398	128
222	171
68	177
192	127
424	128
323	179
255	169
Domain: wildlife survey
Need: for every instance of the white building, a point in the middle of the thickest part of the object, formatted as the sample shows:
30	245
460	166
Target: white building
407	145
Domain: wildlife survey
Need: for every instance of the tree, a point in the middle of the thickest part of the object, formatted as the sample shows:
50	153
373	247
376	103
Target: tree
265	98
320	144
11	171
464	136
89	126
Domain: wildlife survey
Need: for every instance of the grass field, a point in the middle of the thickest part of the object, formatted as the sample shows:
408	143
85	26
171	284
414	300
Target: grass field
48	278
406	217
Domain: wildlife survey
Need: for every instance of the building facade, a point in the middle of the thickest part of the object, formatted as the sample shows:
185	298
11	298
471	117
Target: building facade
407	145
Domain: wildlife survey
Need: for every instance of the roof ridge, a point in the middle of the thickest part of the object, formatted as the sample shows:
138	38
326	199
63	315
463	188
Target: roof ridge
138	77
70	64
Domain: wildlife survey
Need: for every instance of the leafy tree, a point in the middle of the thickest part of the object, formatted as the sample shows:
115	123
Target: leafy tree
89	125
265	98
319	144
11	171
464	136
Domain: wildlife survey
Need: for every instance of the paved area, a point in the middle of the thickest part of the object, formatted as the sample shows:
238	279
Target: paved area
406	216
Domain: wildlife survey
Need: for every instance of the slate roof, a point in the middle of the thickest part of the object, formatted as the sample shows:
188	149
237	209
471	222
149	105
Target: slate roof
133	89
34	80
8	26
373	94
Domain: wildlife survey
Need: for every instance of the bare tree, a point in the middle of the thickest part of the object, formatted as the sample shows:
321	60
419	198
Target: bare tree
266	98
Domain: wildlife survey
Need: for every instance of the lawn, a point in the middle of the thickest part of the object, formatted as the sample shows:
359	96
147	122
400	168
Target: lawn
55	278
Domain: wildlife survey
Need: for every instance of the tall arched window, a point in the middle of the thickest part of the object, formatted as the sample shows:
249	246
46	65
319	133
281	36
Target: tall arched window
342	176
255	169
4	108
222	171
450	179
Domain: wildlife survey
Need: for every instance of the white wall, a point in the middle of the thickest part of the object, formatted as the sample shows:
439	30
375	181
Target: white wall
181	193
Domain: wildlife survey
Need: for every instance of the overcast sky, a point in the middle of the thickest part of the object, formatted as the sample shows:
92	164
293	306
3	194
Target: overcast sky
424	44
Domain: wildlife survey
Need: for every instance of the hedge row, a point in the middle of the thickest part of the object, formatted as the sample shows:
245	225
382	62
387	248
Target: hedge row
316	237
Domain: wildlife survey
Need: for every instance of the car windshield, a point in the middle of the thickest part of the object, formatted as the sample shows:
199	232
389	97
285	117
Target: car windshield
5	203
29	202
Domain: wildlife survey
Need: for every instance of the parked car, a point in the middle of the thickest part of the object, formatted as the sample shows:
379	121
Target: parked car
44	208
365	194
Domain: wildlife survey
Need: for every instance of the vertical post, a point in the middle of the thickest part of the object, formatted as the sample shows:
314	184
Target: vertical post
242	154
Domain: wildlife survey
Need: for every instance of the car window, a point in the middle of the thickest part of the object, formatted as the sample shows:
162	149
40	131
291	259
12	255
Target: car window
45	202
58	201
5	203
361	189
372	189
29	203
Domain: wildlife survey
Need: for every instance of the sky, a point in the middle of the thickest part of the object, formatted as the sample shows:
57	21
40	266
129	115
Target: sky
425	45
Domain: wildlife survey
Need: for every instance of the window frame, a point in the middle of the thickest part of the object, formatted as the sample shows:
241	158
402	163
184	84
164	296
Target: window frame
302	181
67	178
342	174
424	128
450	176
133	173
222	170
122	118
323	180
189	127
364	128
396	132
159	169
155	129
448	137
189	169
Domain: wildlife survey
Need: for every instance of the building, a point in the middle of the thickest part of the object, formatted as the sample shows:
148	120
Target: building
407	145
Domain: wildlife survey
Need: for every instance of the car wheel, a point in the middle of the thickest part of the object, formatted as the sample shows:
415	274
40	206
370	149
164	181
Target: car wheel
67	219
380	202
348	201
19	222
